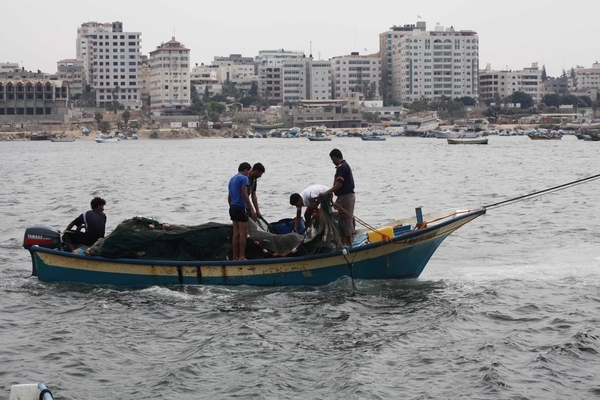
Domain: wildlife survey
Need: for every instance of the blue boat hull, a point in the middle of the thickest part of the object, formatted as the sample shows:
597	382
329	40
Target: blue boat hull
401	257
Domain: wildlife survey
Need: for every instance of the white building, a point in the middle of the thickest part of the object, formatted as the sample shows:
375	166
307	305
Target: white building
294	80
319	83
505	83
588	78
205	78
356	73
170	77
270	77
111	61
239	70
431	64
9	67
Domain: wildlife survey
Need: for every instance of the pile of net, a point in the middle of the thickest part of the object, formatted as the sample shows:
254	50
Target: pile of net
148	239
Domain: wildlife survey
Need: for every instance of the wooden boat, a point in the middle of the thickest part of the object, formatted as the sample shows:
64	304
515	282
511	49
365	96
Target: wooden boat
544	137
319	139
373	138
266	126
477	140
398	251
64	139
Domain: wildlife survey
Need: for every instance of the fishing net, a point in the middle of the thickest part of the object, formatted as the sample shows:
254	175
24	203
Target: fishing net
148	239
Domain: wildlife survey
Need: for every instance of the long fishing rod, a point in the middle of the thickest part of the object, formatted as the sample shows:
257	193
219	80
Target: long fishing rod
539	193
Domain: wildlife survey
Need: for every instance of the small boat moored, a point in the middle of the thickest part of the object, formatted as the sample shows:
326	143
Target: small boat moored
468	140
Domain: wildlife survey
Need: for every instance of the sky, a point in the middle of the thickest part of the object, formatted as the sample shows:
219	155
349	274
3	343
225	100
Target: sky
512	33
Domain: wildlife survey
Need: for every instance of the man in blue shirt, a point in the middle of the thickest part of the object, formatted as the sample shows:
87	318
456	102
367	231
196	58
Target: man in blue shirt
239	205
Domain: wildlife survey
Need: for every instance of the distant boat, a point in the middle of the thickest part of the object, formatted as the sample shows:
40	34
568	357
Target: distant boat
106	139
44	136
373	138
421	123
576	125
544	137
266	126
63	139
477	140
319	139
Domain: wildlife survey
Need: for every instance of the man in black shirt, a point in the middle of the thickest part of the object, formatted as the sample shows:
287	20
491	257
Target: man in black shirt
93	221
343	188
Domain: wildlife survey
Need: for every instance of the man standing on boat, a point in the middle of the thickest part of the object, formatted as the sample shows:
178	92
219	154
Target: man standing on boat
309	199
256	172
94	223
239	204
343	188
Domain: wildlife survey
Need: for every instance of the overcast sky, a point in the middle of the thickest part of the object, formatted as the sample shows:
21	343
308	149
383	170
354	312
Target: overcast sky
512	33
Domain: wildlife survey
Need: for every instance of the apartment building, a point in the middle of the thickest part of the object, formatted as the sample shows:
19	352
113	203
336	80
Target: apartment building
356	73
270	76
319	80
587	78
388	44
205	78
505	82
241	71
9	67
111	59
421	64
71	70
294	80
170	77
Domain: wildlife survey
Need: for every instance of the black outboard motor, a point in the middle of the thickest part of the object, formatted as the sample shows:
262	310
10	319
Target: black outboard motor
43	236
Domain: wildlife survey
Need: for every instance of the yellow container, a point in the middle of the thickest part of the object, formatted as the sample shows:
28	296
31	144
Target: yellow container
373	236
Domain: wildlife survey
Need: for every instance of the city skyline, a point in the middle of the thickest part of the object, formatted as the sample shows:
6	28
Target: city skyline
512	35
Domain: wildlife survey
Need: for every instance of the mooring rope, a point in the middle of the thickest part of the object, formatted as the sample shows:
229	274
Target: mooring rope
541	192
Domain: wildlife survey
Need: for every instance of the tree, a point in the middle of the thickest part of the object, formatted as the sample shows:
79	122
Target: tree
115	95
104	126
254	89
126	116
524	99
544	74
466	100
551	100
98	117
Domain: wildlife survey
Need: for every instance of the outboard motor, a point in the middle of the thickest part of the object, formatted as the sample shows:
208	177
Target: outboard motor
43	236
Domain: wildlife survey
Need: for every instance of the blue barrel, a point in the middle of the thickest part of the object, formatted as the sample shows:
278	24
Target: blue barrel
286	225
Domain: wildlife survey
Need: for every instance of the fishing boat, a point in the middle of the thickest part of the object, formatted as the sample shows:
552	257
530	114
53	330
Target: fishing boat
400	250
373	138
267	127
468	140
62	139
542	136
106	139
319	138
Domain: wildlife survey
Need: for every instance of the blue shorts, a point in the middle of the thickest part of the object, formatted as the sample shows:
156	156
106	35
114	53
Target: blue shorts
238	213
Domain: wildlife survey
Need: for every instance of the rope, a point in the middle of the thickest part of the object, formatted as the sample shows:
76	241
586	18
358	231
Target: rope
539	193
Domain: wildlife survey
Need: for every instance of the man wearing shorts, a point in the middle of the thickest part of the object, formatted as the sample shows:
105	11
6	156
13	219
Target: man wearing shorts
343	188
239	204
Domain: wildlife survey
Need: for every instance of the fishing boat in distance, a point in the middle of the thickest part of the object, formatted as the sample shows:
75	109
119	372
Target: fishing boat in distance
144	252
373	138
468	140
266	127
62	139
319	138
101	138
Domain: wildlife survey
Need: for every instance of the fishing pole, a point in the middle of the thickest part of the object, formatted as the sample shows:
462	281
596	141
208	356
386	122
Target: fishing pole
539	193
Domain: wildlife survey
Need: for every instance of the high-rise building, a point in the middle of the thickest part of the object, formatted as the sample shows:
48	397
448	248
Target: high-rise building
170	77
319	82
270	77
430	64
111	61
355	73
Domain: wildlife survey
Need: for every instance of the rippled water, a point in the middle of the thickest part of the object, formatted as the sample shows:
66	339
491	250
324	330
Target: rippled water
508	307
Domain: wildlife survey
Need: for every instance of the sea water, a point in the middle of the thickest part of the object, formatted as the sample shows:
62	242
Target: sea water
508	307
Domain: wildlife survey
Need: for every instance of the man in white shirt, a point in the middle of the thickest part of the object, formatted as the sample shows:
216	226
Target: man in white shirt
307	198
